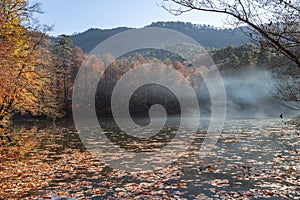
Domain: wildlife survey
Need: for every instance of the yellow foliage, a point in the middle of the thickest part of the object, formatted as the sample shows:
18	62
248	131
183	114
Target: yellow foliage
24	69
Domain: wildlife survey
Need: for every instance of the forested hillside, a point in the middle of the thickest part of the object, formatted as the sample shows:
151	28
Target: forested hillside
206	35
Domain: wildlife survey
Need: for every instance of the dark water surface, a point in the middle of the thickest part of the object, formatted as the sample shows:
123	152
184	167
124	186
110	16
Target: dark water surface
253	158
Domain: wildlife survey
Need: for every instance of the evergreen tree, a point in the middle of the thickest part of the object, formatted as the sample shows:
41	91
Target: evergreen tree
62	59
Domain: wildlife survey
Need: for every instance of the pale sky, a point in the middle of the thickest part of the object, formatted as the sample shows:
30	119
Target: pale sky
70	16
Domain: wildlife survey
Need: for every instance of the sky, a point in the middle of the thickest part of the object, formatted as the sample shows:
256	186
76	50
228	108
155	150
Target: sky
74	16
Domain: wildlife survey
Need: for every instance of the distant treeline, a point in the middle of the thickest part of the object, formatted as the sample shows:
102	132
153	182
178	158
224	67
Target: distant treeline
234	62
38	72
206	35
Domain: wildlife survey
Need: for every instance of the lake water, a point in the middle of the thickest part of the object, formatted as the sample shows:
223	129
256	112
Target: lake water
253	158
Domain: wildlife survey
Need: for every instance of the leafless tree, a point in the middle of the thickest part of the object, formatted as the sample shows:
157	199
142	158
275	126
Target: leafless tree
273	24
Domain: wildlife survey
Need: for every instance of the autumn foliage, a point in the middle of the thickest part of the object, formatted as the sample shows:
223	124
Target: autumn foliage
25	71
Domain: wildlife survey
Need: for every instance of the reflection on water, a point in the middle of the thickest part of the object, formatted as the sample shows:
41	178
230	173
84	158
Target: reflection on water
252	158
134	144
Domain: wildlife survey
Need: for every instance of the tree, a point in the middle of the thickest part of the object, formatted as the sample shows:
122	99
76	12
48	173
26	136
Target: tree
264	59
62	57
234	60
275	25
24	67
246	59
276	22
288	83
76	61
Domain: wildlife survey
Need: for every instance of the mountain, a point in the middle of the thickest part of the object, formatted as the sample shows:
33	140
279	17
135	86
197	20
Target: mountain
206	35
92	37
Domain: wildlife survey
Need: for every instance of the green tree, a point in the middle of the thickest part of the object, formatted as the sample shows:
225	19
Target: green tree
264	59
62	59
246	59
234	60
274	25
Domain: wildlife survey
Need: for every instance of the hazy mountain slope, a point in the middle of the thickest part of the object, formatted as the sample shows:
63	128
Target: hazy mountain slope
207	36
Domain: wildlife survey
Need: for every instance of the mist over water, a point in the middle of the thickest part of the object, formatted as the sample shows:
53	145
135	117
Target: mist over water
249	95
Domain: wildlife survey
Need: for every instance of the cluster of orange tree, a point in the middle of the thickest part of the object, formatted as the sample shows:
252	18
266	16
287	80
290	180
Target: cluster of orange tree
24	61
31	73
143	97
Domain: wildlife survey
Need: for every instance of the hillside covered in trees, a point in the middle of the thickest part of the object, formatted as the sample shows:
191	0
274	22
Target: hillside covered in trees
47	153
38	72
54	63
206	35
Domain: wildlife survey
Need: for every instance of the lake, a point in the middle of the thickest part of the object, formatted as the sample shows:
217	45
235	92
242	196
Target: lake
253	158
